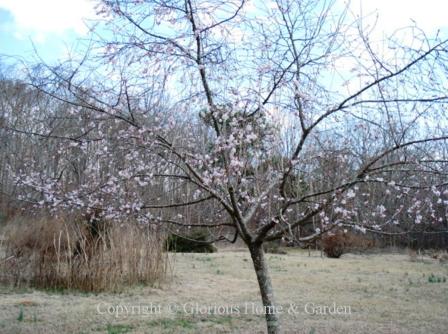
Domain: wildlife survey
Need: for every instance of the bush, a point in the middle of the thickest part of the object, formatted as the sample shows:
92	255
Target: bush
441	256
196	242
339	242
333	245
59	254
357	242
273	248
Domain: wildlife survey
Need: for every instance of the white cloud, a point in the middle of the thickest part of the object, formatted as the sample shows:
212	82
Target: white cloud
40	17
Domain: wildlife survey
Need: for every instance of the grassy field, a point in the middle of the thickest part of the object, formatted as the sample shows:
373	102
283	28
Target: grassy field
216	293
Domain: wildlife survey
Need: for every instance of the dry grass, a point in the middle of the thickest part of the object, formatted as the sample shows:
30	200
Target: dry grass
63	254
387	293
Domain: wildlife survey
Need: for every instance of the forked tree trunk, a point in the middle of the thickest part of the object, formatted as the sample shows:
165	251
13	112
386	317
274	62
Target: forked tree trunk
267	293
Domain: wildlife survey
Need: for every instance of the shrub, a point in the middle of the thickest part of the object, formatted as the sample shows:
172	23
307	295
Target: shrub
436	279
273	248
441	256
336	243
59	254
357	242
196	242
333	245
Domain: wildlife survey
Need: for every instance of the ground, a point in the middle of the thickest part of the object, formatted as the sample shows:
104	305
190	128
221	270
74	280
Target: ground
215	293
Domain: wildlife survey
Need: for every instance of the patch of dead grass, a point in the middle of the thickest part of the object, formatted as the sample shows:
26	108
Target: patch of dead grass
387	294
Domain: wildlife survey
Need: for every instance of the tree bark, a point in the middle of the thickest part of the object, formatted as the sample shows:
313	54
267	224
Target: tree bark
265	284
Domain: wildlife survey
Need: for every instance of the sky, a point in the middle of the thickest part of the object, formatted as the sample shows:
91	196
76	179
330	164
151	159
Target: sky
52	27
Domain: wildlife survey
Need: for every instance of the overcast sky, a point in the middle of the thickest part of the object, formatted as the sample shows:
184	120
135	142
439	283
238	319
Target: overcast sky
54	25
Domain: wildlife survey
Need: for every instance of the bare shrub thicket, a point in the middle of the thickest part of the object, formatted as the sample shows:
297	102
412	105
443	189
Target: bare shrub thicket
338	243
58	254
333	245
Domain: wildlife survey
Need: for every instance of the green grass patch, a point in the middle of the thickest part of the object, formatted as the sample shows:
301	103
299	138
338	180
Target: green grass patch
173	323
118	329
224	320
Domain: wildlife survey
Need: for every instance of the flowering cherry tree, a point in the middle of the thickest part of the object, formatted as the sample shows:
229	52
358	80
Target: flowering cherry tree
249	118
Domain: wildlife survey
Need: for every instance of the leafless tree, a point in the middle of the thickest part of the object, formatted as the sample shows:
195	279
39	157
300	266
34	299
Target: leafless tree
259	116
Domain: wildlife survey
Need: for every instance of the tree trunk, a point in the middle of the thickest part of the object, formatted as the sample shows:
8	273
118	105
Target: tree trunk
267	293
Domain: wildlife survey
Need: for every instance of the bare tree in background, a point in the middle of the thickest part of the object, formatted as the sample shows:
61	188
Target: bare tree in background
259	116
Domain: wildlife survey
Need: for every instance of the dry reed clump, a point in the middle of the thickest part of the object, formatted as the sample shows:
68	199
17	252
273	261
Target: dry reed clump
60	254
